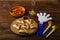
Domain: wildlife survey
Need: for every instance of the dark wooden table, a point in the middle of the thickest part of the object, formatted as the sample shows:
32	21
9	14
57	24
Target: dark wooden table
6	19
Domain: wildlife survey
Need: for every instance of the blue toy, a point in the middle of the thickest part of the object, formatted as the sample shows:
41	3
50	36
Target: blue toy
42	17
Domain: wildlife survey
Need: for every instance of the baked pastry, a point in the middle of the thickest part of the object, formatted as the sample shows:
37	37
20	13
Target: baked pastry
17	11
23	26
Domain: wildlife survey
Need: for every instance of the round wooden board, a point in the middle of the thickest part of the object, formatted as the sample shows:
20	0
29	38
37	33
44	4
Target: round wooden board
30	31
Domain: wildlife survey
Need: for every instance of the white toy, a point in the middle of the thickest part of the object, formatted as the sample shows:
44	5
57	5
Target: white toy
42	17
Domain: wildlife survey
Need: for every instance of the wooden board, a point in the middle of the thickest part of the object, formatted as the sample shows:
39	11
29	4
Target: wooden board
6	19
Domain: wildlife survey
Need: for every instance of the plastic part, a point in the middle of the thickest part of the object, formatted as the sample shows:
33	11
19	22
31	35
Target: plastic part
49	25
49	33
53	29
32	12
42	17
39	31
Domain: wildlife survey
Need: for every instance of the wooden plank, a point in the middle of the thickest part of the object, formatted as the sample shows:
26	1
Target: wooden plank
6	19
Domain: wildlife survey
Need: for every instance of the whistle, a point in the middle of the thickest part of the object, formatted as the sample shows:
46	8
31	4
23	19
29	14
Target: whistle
49	25
53	29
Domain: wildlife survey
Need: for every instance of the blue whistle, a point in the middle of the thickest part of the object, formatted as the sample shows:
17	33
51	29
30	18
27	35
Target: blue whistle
40	29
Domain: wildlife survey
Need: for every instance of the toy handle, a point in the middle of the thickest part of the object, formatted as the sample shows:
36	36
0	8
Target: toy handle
39	30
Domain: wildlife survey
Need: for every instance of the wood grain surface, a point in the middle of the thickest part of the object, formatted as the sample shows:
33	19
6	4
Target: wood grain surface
6	19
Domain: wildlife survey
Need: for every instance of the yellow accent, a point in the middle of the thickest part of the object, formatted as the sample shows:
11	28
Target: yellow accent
32	12
49	23
54	27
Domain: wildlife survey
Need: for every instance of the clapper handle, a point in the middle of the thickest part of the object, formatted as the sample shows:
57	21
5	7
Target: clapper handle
39	30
